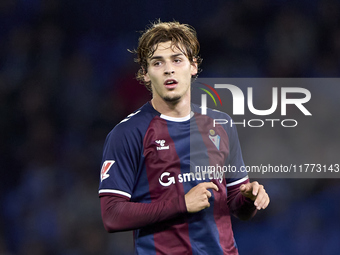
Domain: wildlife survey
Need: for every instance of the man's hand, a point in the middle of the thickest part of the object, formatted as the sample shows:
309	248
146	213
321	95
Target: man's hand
197	198
257	193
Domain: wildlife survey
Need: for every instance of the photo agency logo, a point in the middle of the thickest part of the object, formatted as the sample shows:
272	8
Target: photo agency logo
204	97
289	96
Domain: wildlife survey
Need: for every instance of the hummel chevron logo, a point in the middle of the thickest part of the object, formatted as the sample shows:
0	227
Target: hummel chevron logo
161	143
105	168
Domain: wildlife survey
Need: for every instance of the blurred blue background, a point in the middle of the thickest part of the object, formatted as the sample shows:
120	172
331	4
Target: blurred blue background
66	78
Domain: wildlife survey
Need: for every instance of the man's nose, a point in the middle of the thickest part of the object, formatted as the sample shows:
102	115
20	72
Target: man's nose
168	70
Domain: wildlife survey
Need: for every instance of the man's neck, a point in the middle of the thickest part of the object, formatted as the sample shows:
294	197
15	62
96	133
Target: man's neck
177	109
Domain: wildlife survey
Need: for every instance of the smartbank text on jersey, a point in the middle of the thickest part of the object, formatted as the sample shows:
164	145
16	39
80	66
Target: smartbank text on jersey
166	180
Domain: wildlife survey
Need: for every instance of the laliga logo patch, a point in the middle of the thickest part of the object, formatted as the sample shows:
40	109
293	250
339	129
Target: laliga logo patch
214	138
105	168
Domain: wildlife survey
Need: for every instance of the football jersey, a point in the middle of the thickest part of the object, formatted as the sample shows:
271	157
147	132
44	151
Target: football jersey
150	157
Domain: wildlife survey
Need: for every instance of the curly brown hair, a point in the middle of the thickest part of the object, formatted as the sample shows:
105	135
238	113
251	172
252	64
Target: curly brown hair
182	36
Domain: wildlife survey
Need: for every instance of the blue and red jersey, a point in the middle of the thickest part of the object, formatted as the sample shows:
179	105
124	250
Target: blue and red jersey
149	157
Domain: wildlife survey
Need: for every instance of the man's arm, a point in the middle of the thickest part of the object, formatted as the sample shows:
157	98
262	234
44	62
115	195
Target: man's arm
120	214
246	198
256	193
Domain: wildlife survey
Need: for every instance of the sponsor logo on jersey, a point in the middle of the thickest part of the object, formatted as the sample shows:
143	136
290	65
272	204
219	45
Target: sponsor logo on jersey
166	180
161	145
169	180
105	168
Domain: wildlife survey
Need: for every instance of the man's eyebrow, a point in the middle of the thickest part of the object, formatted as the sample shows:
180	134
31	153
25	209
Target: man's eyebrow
172	56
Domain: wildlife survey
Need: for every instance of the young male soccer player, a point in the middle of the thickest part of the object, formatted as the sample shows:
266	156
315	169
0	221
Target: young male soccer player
149	179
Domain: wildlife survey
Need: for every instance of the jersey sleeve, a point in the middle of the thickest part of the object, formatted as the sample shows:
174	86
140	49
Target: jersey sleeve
235	163
119	162
118	214
240	206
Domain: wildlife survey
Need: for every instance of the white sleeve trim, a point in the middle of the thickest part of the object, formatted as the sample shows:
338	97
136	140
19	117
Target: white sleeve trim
237	182
115	192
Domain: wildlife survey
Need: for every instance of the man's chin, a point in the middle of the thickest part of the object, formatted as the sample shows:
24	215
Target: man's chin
172	99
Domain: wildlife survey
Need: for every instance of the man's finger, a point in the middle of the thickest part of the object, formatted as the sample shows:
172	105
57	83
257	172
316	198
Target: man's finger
210	185
245	187
262	201
255	188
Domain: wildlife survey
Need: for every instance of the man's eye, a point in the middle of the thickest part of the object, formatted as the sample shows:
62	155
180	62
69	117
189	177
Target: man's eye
178	60
157	63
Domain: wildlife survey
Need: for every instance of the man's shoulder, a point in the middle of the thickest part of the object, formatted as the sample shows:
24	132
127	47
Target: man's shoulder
136	121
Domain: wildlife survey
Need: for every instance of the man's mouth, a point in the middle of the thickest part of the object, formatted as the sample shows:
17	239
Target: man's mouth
170	83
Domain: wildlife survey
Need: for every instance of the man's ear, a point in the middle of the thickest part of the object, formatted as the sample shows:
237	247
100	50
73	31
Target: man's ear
194	68
146	75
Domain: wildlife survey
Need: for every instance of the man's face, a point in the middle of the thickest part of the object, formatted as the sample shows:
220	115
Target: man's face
169	71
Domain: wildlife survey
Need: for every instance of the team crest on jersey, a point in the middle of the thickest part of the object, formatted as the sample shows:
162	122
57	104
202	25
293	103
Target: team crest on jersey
214	138
162	145
105	168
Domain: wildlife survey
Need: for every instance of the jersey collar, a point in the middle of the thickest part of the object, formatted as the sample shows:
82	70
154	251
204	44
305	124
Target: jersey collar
181	119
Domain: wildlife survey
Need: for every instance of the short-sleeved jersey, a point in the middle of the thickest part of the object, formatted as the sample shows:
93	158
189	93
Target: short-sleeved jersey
150	157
